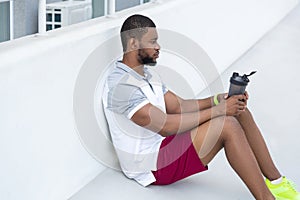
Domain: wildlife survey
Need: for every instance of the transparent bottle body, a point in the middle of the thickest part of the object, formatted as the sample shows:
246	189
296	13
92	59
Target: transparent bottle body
236	89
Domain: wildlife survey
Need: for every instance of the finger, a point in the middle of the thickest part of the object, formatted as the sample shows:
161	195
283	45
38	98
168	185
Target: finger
242	98
247	95
241	103
239	112
241	108
225	95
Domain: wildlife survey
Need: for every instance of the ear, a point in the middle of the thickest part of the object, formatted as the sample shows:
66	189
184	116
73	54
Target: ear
133	44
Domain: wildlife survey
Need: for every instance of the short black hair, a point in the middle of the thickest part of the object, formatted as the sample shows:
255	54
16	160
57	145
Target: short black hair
135	26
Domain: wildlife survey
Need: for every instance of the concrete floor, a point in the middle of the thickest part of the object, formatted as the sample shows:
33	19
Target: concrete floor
274	101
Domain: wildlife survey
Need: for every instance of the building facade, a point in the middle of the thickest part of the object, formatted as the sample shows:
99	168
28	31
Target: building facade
20	18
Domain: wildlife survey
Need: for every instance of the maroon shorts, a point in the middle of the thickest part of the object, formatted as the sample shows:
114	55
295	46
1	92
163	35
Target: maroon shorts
177	159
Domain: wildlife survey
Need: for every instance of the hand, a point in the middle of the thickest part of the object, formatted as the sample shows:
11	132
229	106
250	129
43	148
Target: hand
247	95
222	97
234	105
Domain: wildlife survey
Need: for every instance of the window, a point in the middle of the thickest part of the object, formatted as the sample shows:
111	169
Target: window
5	19
100	7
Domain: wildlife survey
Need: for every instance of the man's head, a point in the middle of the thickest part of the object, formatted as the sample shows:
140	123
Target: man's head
138	34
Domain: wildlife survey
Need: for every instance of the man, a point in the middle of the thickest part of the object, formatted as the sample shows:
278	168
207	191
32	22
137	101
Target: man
161	138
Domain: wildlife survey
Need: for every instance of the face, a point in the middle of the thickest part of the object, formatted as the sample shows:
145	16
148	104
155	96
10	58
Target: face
148	50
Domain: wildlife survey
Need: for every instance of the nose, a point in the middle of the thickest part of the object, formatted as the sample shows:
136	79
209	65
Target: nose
157	46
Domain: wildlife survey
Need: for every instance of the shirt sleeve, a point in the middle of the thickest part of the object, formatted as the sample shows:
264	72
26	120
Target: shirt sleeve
126	99
164	88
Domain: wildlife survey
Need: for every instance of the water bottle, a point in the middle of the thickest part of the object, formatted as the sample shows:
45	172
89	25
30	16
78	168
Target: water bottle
238	83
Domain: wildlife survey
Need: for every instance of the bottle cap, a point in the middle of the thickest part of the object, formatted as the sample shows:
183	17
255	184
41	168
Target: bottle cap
240	80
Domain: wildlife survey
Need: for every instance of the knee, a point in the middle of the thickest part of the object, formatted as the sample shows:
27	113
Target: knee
244	115
228	122
231	122
231	127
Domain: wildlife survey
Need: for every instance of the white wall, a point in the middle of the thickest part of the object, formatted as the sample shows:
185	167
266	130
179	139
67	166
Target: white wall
41	154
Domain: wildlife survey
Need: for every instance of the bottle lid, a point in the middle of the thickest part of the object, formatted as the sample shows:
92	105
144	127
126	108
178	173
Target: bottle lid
240	80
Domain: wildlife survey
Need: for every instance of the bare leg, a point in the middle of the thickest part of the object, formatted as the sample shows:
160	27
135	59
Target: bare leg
258	146
226	132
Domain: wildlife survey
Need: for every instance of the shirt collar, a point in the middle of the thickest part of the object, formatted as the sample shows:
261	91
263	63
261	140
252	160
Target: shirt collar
124	67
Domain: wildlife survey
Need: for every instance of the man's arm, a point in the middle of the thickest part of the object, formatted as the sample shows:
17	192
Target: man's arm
154	119
176	105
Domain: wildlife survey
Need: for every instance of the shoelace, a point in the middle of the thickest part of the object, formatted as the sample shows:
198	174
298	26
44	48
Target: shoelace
290	184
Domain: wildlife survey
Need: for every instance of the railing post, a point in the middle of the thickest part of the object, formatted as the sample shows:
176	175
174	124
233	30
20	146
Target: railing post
11	20
42	16
111	7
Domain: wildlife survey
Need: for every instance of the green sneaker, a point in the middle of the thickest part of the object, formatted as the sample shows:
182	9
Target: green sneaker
285	190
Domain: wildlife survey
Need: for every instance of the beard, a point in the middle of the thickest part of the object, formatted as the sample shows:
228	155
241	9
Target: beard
145	58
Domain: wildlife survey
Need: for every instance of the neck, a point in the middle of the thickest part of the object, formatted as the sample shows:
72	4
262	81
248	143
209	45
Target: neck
133	63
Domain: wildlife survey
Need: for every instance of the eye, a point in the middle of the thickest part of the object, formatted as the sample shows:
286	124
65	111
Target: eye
153	41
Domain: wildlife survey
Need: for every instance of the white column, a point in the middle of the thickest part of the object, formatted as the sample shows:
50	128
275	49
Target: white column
111	7
11	20
42	16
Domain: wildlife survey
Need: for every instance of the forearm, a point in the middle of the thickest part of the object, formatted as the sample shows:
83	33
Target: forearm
155	119
196	105
178	123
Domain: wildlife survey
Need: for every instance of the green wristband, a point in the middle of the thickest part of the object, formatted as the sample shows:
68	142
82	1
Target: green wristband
216	101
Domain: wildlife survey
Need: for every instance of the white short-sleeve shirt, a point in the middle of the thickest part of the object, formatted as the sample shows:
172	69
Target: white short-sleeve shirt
126	92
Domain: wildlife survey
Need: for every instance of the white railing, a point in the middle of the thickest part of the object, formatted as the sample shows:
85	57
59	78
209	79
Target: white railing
109	7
